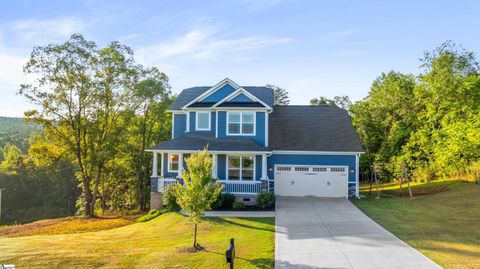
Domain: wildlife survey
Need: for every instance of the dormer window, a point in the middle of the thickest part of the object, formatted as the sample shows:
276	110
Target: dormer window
241	123
203	121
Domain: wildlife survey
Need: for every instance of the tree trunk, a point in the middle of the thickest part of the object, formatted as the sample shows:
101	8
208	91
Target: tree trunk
87	197
194	236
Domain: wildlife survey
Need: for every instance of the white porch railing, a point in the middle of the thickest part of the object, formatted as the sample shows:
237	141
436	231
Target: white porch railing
233	187
242	187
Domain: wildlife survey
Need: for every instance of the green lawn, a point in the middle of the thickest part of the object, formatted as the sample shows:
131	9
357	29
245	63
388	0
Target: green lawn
163	242
444	226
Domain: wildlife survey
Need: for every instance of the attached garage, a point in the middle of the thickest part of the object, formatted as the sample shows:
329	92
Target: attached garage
311	180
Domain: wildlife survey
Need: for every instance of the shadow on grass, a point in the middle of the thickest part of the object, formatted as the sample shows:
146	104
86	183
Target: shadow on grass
225	221
422	189
258	263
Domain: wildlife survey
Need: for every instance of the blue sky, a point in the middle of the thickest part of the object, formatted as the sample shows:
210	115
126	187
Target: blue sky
311	48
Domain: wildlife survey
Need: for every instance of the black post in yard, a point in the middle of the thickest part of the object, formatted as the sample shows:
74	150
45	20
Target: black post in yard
230	253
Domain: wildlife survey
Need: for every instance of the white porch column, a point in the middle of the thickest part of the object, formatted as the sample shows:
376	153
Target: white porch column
264	166
214	165
180	165
155	165
162	163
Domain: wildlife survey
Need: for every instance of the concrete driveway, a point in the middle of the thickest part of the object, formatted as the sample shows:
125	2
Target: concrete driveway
333	233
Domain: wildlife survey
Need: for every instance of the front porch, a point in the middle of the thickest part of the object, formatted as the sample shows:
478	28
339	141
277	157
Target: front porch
249	178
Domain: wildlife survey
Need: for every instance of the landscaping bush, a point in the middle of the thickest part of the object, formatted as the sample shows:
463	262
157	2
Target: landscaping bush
238	205
225	200
152	214
265	199
169	200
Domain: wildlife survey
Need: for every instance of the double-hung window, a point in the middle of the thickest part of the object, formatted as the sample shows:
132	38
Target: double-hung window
203	120
241	123
240	167
173	162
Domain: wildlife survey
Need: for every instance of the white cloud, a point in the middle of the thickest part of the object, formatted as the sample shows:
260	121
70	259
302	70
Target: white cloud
11	75
205	43
40	31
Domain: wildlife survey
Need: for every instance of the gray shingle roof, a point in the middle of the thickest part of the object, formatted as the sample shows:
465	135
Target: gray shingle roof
197	141
312	128
263	93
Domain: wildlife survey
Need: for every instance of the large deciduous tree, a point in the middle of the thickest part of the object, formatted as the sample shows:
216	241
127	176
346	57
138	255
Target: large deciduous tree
83	93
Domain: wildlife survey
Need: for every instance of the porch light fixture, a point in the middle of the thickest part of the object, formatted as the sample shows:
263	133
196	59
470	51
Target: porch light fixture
270	169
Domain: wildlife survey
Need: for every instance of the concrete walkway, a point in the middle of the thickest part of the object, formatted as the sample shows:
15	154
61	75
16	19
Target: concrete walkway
333	233
241	214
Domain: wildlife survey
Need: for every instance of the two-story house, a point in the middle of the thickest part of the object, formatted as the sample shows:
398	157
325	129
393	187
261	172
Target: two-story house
291	150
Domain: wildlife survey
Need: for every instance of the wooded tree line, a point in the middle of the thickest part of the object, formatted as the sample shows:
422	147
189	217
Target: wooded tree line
429	121
100	111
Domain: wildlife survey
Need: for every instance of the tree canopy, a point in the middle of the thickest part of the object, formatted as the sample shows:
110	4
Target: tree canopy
429	121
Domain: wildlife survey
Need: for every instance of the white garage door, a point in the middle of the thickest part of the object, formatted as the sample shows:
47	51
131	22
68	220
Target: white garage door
319	181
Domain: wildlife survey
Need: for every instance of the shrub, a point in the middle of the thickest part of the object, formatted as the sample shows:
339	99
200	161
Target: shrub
238	205
152	214
227	200
169	200
425	174
265	199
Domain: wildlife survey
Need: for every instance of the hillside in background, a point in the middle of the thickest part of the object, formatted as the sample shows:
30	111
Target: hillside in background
17	132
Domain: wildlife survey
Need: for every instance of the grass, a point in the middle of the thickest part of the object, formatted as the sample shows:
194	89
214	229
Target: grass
163	242
67	225
442	222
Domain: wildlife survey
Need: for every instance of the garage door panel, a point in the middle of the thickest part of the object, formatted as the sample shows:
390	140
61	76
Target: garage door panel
320	181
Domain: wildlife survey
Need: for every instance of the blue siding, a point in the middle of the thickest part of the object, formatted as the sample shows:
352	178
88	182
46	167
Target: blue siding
344	160
192	121
221	166
213	119
241	98
258	167
180	123
219	94
259	136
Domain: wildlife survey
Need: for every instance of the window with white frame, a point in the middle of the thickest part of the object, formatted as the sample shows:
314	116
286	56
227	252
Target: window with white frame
203	120
173	162
241	123
240	167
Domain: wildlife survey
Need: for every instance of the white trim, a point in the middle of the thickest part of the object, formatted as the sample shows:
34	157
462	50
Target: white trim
180	165
238	92
216	124
209	121
314	152
210	151
217	86
168	162
175	111
264	167
214	166
266	128
155	165
241	123
188	122
241	162
162	164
